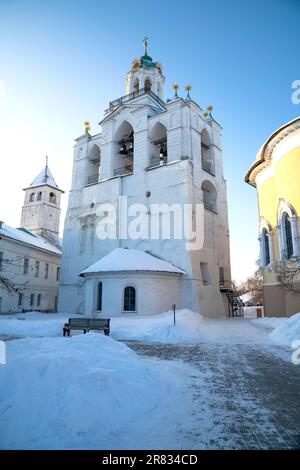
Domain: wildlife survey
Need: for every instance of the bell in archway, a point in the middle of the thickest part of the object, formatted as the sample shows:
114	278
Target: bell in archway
130	149
123	150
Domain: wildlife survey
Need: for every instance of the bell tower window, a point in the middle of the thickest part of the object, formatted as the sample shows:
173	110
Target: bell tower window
124	150
136	87
52	198
158	145
148	84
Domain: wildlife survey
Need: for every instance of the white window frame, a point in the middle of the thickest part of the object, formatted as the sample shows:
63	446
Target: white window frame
286	208
265	225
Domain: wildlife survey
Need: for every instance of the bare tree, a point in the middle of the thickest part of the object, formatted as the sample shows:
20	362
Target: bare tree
7	285
287	273
254	286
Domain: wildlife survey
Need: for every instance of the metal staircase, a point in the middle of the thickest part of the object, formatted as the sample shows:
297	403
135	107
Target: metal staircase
235	302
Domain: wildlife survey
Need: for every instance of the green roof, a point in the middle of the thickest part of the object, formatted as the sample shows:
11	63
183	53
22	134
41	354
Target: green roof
146	61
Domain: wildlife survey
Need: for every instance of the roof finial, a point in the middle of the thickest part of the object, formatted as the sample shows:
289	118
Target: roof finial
86	126
175	88
188	89
145	41
46	168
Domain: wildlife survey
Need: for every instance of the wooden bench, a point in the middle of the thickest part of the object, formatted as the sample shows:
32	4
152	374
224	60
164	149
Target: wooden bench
87	324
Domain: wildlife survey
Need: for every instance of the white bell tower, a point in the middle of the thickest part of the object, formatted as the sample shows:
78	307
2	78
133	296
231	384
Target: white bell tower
145	74
41	209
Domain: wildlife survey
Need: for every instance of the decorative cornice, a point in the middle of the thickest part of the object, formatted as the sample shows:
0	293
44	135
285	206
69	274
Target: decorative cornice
264	156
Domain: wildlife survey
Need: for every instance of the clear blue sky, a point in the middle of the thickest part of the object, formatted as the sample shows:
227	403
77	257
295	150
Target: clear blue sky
62	61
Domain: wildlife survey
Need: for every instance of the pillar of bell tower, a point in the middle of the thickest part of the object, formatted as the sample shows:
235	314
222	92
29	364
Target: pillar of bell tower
41	210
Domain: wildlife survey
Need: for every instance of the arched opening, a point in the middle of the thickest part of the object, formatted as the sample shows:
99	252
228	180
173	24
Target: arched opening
266	247
31	197
136	87
147	84
209	196
129	299
52	198
99	296
206	153
93	165
158	145
39	196
123	150
287	235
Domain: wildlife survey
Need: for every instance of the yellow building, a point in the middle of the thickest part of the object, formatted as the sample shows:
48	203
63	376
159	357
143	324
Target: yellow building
276	176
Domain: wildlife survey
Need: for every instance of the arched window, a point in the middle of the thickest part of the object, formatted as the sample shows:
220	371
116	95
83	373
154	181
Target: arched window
52	198
148	84
39	196
206	153
99	296
209	196
124	150
158	145
288	239
136	86
93	165
288	233
31	198
266	247
129	299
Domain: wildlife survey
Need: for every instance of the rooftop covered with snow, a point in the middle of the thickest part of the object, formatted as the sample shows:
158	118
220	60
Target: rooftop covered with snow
45	177
24	236
125	259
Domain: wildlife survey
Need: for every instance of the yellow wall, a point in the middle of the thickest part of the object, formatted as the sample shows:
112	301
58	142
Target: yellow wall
284	184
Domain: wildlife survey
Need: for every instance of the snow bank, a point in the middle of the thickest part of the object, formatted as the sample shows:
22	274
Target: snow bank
33	324
288	330
159	328
268	323
77	392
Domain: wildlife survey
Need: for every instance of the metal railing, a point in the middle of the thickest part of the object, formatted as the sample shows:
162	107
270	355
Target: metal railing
93	179
123	170
209	206
156	160
208	166
135	94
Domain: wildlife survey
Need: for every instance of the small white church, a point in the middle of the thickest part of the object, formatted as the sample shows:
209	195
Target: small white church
153	152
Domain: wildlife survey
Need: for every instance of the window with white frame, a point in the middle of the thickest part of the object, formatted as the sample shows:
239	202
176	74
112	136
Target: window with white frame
288	231
266	247
129	299
37	269
99	296
26	266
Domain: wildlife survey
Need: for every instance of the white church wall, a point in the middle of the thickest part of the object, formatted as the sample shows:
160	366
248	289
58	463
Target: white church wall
155	293
177	182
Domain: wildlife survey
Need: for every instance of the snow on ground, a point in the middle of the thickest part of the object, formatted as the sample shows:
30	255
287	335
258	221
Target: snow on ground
159	328
287	331
90	391
268	323
190	327
33	324
87	391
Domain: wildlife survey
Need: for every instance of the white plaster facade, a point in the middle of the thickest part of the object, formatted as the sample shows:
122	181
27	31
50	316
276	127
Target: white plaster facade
37	287
30	257
179	176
